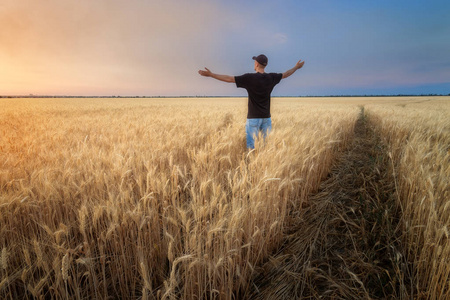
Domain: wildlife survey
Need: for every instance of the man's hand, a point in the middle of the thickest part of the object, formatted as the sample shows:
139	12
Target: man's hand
299	64
206	73
289	72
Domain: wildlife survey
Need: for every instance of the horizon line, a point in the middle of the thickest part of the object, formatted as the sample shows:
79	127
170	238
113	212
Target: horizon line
220	96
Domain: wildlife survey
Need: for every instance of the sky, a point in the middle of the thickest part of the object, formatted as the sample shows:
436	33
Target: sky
155	48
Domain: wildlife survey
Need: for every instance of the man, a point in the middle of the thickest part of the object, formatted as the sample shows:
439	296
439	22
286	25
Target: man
259	86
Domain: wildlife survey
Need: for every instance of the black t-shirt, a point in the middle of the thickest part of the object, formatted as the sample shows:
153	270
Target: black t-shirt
259	86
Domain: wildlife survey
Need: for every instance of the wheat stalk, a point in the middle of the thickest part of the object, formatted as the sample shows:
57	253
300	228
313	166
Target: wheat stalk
4	258
65	264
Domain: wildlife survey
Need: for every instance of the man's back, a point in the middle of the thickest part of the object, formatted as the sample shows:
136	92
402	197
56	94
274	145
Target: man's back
259	87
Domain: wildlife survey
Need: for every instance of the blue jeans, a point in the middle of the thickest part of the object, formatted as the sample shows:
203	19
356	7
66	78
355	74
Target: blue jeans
253	127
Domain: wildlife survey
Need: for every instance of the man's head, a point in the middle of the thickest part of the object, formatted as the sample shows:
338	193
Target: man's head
261	59
260	62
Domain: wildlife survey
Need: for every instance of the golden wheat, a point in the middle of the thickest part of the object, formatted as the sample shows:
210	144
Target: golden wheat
418	135
157	198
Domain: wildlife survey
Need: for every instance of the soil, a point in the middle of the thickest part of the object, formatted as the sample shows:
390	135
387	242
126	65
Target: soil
343	245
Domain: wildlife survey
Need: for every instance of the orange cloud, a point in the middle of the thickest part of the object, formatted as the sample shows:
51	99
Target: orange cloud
61	46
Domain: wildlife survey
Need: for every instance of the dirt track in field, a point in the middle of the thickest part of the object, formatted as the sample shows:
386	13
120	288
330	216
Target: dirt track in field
343	245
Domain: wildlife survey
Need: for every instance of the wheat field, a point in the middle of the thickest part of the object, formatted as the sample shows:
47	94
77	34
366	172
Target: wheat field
417	133
160	199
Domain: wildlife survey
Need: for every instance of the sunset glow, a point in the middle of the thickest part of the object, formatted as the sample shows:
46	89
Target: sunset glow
111	47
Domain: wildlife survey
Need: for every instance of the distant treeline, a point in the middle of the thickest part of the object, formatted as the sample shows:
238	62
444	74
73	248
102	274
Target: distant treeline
303	96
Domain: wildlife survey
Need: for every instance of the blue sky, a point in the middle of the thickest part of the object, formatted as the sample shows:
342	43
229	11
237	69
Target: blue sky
138	47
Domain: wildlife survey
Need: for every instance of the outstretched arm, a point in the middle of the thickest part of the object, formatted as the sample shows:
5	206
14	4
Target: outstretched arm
208	73
298	65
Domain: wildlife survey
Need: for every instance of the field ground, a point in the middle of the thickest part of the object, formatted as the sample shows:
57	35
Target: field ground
159	199
337	248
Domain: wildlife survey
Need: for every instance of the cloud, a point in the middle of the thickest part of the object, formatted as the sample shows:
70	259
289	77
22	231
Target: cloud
156	47
109	44
280	38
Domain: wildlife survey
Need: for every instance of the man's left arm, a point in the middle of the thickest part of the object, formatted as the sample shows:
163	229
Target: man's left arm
289	72
208	73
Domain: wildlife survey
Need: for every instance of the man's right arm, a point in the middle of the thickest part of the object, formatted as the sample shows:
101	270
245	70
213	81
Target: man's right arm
208	73
289	72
